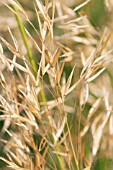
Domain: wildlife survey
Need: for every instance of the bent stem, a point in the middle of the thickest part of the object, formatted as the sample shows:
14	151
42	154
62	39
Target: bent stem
29	53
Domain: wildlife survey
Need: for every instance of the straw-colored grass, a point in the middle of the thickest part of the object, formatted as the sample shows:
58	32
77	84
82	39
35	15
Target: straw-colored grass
55	86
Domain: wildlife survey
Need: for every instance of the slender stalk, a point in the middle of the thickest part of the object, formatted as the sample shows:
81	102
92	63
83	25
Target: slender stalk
29	53
34	67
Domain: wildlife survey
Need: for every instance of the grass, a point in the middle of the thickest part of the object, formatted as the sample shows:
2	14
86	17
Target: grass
55	86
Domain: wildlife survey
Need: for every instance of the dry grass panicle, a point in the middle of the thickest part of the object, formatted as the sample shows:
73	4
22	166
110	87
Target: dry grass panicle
55	86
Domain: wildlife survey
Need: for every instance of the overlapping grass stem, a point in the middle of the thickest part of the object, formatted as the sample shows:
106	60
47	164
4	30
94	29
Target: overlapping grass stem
56	91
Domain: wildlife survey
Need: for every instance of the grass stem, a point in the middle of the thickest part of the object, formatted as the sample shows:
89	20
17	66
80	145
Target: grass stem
29	53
